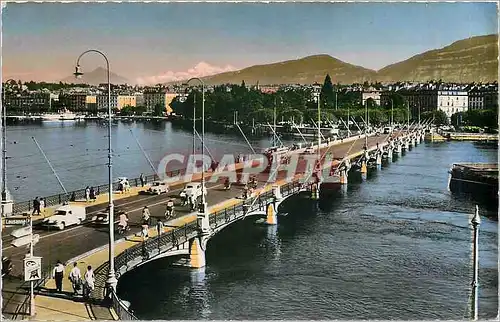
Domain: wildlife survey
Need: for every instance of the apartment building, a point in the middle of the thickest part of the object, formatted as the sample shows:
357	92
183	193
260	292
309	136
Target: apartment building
483	97
153	97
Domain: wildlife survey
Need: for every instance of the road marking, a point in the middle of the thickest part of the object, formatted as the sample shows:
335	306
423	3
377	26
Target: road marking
133	210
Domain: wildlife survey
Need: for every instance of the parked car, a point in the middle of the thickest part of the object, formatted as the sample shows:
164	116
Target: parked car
309	150
66	215
192	189
159	187
102	218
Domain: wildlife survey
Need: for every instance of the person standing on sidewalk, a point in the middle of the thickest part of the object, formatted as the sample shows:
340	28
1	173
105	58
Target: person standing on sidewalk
58	274
145	216
87	194
159	227
36	206
92	194
142	180
42	205
76	278
89	282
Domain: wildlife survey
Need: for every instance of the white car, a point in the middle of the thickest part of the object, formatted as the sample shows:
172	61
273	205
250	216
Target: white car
159	187
309	150
193	189
66	215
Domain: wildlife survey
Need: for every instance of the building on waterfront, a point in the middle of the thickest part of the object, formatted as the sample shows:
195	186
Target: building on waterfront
371	94
158	96
20	102
452	101
126	100
76	101
91	102
483	97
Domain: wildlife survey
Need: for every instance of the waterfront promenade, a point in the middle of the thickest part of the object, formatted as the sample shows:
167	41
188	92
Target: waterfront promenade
67	244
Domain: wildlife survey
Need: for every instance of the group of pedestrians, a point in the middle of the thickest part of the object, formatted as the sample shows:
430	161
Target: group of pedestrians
85	284
90	194
38	206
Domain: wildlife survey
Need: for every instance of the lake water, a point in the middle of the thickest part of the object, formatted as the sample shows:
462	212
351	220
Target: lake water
396	246
78	153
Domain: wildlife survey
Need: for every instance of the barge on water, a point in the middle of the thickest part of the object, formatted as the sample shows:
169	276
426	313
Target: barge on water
477	179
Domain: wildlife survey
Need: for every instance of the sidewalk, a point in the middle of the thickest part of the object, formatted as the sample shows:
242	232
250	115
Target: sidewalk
103	198
49	308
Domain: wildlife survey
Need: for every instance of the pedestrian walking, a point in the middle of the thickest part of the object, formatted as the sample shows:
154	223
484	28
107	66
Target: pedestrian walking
145	232
89	282
92	194
42	205
75	277
87	194
146	215
36	206
58	274
142	180
159	227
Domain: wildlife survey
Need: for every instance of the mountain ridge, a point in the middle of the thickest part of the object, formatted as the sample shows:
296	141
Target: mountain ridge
478	63
96	77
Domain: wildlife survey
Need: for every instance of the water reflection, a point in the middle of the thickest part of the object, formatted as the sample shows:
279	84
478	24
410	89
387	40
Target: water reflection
200	291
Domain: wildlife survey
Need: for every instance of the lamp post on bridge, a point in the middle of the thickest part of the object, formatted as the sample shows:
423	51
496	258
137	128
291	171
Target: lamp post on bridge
476	221
203	205
111	281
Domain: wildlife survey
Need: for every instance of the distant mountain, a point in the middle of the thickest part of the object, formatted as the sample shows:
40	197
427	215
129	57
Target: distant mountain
96	77
305	70
469	60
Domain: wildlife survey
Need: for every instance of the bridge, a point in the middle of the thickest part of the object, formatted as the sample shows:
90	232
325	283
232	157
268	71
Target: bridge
187	236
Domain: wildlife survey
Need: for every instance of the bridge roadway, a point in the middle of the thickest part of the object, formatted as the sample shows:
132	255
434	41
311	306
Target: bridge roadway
73	241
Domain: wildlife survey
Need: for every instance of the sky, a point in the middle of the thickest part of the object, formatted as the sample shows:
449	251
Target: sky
159	42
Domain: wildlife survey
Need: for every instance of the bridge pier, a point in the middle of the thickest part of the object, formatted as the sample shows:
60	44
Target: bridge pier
343	177
272	208
378	160
315	189
389	153
363	166
196	253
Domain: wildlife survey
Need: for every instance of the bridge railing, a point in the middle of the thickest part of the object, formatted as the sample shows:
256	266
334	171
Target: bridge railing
121	309
166	241
58	199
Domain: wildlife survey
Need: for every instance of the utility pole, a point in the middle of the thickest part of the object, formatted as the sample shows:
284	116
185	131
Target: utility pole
194	123
32	288
392	113
274	122
476	221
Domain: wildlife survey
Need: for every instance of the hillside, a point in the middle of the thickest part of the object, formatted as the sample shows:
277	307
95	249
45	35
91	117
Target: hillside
96	77
305	70
470	60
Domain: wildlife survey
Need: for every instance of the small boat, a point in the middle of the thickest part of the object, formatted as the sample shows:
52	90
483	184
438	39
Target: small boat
59	117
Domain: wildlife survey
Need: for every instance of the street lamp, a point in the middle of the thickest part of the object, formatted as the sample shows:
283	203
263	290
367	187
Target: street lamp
317	96
203	201
4	150
111	281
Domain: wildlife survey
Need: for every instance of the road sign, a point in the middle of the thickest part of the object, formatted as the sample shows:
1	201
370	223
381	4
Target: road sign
21	232
32	268
25	240
16	221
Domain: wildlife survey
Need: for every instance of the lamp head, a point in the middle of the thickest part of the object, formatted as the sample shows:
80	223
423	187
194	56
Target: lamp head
78	73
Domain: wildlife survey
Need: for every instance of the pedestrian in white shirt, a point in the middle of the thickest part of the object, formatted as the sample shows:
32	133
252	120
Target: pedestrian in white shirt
58	274
89	281
42	205
75	276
